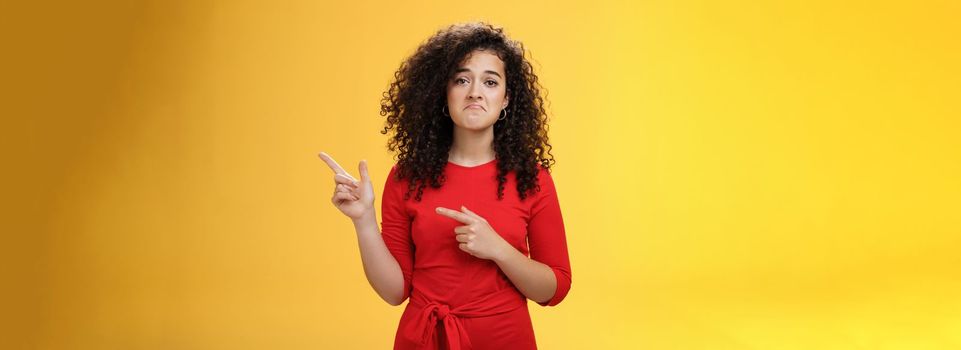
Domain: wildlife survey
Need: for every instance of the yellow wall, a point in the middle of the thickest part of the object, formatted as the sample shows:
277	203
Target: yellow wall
733	175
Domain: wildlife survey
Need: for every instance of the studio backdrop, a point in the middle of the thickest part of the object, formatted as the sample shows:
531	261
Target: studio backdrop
732	174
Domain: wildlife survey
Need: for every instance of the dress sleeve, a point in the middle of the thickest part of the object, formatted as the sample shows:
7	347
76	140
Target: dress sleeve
395	227
546	238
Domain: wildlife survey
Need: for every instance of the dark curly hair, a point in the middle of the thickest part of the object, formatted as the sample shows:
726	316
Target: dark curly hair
423	135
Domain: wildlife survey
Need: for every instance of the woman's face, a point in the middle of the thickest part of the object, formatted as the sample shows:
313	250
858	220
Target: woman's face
477	92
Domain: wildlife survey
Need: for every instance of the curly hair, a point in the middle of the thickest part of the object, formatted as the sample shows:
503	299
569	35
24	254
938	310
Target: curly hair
423	134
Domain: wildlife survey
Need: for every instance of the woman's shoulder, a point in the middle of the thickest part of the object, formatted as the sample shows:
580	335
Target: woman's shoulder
393	179
541	168
395	171
545	182
543	173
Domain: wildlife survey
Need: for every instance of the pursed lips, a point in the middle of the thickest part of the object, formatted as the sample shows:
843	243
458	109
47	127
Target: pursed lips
475	105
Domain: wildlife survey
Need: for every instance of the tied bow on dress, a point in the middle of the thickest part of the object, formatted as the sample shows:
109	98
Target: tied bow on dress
422	329
433	312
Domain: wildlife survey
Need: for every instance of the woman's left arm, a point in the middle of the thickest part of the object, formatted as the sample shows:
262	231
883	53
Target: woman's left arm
546	276
534	279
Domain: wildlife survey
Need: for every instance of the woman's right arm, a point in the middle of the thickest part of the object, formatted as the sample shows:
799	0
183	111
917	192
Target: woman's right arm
381	268
356	200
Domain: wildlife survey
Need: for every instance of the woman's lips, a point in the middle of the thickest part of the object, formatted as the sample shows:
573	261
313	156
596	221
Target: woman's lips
475	106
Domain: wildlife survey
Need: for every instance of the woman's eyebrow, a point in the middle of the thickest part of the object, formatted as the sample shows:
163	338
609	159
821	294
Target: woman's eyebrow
486	71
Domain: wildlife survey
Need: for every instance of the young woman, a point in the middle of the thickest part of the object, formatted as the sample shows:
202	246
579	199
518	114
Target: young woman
471	224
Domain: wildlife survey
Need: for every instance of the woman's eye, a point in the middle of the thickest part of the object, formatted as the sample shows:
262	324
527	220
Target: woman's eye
491	83
460	80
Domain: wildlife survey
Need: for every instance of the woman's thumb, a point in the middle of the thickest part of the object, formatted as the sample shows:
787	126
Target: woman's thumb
363	171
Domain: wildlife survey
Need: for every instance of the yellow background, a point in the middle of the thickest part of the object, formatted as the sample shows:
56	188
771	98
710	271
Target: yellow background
733	174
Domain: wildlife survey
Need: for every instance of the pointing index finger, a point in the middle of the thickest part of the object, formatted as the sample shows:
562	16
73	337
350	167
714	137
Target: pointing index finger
333	165
456	215
470	213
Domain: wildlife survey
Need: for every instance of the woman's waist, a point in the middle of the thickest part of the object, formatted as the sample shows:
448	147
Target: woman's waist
469	304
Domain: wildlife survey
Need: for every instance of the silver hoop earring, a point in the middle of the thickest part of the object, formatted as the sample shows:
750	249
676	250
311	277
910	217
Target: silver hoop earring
444	111
503	114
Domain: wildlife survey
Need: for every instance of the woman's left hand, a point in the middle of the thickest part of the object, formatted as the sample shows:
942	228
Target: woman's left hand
476	237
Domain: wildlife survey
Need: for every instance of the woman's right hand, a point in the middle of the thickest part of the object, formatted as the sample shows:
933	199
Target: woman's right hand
352	197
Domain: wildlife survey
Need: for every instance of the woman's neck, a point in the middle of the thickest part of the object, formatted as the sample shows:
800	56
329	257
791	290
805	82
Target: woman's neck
472	147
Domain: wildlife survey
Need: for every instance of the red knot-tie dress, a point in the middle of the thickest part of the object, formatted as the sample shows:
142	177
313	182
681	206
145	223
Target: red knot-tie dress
458	301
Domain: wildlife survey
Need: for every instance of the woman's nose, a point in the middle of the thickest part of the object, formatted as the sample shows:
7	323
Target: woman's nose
474	91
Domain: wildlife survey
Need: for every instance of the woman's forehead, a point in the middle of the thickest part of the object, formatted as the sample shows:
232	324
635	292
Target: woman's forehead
480	61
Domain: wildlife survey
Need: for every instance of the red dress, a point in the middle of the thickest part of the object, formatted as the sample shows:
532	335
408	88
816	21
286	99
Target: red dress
458	301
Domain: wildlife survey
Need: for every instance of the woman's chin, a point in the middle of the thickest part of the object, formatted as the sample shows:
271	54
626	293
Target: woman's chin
475	122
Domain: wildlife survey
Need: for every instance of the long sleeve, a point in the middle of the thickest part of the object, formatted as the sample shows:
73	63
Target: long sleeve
546	237
396	227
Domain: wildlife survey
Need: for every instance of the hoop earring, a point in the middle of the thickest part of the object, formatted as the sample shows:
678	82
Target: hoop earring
444	111
503	114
